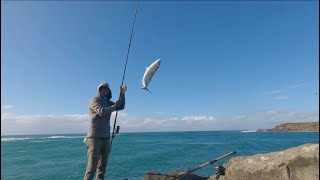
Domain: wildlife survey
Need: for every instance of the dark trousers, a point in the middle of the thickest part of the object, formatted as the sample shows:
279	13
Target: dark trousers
97	153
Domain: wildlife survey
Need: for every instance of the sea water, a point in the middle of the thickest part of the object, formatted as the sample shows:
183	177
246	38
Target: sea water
63	157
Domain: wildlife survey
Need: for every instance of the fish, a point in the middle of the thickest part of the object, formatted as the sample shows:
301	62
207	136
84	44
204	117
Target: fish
150	71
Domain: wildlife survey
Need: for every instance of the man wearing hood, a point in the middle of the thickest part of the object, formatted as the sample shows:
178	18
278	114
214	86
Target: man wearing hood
98	135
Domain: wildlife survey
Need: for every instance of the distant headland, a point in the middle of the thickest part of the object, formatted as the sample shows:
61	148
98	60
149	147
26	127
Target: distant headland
289	127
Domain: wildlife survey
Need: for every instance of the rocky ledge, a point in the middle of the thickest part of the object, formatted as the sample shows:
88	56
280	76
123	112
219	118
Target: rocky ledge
298	163
287	127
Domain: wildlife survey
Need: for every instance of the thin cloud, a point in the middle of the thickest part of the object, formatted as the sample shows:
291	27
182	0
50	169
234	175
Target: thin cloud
239	117
43	124
281	98
198	118
298	85
150	124
78	123
268	119
274	92
6	107
65	124
293	86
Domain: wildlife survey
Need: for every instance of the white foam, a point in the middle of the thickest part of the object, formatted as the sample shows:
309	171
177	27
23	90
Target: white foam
64	137
248	131
41	141
14	139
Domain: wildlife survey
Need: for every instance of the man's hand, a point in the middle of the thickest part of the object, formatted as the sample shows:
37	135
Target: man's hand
123	89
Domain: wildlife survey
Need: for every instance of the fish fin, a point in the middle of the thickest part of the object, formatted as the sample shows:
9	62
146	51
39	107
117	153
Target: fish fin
145	88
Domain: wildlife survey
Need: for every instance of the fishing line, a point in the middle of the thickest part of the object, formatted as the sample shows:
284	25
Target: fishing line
124	73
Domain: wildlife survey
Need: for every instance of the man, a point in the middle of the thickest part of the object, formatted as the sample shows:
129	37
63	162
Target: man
98	135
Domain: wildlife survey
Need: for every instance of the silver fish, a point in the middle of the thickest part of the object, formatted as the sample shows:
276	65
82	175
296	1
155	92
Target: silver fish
150	71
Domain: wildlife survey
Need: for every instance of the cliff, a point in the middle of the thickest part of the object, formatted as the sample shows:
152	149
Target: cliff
305	126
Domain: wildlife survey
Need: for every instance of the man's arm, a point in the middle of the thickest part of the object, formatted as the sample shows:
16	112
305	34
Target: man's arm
123	102
96	106
122	99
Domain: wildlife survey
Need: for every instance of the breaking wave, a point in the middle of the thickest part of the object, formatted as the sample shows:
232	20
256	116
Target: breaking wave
248	131
63	137
14	139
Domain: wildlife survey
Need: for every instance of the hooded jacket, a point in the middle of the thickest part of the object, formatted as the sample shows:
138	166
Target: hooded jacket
100	111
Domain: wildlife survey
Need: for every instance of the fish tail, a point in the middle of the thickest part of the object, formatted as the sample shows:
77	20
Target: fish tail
145	88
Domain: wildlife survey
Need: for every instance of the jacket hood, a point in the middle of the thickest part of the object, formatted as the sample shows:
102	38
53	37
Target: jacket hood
104	84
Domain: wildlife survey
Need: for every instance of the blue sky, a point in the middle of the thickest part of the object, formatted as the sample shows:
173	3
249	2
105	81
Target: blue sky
224	65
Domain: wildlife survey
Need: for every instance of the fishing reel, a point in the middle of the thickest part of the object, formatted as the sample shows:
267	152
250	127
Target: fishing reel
219	171
118	129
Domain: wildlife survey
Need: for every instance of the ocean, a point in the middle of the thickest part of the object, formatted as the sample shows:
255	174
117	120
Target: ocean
63	157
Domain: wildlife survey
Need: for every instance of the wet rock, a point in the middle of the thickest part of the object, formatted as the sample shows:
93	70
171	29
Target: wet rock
299	163
173	175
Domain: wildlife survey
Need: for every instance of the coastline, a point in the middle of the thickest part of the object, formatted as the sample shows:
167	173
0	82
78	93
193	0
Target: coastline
294	127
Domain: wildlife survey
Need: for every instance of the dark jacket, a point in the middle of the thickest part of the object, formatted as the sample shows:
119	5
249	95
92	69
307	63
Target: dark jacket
100	113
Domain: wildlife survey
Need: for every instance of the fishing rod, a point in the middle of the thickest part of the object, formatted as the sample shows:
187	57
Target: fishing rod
219	170
116	129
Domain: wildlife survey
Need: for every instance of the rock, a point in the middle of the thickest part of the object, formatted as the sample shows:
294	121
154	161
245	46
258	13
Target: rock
172	175
157	176
299	163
